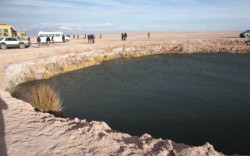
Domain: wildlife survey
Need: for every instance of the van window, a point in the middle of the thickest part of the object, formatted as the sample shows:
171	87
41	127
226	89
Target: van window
50	35
1	32
5	32
22	34
43	35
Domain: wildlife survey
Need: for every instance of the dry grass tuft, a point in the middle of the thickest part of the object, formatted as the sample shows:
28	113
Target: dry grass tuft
45	99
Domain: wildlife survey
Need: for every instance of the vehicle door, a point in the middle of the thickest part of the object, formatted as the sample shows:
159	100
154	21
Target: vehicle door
15	42
12	42
57	38
8	42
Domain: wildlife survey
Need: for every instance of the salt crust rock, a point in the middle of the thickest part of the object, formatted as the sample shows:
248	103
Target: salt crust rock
77	120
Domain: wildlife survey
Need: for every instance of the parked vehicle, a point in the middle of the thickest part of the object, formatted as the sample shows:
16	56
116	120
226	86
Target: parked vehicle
13	42
22	35
7	31
245	34
58	36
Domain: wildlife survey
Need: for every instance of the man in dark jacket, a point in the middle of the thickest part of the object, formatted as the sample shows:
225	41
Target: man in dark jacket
47	41
38	41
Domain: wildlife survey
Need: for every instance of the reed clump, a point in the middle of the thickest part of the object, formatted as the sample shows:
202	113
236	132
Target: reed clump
45	99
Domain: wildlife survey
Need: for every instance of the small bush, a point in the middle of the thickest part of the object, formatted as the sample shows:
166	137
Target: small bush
45	99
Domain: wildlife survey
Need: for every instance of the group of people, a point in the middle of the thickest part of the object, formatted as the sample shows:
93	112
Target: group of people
124	36
78	36
48	40
84	36
91	38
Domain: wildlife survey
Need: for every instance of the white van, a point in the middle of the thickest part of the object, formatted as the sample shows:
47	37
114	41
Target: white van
57	36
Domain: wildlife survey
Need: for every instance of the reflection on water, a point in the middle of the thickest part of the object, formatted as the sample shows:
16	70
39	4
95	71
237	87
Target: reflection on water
192	99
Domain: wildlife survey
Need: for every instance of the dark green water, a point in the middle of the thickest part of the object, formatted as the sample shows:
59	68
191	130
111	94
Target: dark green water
191	98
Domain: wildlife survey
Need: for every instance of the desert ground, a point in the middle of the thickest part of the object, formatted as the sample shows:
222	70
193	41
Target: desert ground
107	41
24	131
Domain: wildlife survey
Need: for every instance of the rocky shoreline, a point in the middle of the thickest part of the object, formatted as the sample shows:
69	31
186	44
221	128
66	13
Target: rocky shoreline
17	73
26	132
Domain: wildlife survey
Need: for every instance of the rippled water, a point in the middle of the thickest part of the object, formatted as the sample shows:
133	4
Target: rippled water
191	98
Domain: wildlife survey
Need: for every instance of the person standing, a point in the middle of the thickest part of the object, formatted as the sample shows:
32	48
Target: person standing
29	40
47	41
63	38
100	36
52	39
78	37
38	41
125	36
148	34
122	36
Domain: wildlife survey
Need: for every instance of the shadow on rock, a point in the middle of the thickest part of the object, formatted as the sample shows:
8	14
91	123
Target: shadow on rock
3	150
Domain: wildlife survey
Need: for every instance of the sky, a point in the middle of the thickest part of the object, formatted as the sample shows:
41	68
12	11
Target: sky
116	16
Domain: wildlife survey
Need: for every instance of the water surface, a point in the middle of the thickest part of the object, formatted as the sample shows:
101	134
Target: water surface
191	98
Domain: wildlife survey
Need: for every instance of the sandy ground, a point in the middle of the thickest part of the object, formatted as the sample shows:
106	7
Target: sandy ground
26	132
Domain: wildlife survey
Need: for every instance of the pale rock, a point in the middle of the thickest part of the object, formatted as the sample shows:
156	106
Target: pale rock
77	120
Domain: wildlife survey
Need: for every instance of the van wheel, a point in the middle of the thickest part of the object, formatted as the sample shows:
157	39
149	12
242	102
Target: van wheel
3	46
21	46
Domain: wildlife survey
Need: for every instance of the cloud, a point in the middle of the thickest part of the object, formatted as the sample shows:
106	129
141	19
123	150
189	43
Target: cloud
72	27
98	25
65	28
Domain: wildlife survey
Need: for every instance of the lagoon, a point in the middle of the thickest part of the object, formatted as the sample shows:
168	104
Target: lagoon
188	98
